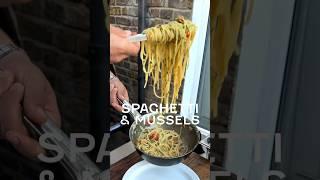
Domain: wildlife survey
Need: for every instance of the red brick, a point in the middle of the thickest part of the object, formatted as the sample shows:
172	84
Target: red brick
131	11
166	14
115	10
36	8
154	12
35	28
156	3
180	4
123	20
187	14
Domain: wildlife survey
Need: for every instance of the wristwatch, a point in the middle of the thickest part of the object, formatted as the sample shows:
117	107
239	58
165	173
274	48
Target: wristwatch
6	49
112	76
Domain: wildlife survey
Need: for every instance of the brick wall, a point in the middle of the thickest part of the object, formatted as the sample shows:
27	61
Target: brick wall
55	34
124	14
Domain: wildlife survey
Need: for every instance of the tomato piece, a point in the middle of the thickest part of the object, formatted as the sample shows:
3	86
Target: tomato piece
149	122
151	136
154	136
188	34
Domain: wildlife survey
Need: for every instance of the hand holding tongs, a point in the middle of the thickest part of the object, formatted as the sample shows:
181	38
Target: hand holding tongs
135	114
76	168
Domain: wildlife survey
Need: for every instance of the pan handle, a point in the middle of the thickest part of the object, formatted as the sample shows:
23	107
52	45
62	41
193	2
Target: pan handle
199	135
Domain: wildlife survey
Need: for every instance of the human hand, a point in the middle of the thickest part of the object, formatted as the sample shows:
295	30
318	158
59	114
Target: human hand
11	126
120	32
117	90
120	47
30	89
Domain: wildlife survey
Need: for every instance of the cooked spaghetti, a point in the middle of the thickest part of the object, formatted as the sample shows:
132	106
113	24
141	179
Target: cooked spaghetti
225	28
165	56
160	143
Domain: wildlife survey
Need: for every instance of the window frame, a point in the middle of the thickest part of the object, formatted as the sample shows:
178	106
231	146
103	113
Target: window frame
200	17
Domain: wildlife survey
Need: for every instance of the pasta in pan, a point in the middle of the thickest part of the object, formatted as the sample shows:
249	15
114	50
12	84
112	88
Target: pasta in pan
165	56
161	143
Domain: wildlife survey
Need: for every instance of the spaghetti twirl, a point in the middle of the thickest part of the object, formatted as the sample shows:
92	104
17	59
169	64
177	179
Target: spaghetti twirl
165	56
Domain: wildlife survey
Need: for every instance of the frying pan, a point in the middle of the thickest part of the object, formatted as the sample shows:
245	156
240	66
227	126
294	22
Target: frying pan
190	137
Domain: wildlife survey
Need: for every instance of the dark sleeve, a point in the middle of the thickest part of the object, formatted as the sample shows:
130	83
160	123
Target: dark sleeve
7	24
113	69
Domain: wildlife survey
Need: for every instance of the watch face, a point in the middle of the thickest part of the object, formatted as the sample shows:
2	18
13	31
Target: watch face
112	76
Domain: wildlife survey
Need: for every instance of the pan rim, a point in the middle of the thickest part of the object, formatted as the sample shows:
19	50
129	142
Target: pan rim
168	158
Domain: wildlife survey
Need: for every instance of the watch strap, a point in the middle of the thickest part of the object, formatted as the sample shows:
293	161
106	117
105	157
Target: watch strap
7	49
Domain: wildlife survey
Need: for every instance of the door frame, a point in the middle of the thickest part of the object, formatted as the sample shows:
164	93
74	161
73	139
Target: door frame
200	17
286	121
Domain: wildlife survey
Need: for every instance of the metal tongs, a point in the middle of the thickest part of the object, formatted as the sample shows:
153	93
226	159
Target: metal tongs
137	38
134	113
82	168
